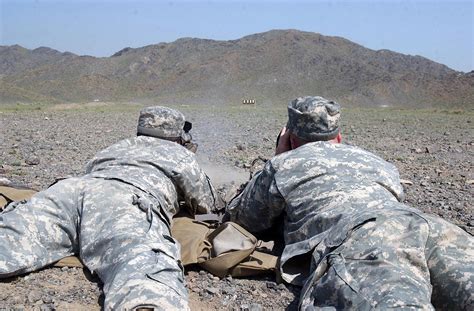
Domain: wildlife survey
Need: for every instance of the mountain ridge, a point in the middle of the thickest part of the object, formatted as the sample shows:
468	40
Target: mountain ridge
273	66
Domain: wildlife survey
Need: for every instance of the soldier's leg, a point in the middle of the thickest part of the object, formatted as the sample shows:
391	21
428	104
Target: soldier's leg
131	250
40	231
450	254
381	265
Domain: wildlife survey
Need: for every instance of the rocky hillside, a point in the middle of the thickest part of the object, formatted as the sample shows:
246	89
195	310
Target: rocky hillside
271	67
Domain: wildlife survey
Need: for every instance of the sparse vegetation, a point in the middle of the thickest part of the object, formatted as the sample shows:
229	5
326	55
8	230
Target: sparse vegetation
433	149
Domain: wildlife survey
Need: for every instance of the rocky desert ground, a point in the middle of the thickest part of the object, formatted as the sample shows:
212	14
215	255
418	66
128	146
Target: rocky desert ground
433	150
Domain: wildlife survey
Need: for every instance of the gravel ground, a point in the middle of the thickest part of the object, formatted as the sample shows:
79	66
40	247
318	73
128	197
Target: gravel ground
432	149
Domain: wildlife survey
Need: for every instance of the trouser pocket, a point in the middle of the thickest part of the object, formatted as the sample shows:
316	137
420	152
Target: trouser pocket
338	288
169	272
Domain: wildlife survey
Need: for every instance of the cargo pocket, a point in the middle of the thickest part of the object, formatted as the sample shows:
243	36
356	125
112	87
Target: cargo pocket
331	283
338	288
338	264
169	272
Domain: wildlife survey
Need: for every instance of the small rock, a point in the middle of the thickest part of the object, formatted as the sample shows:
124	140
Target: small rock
47	307
212	290
34	296
244	307
32	160
281	286
406	182
16	300
271	285
47	299
255	307
228	290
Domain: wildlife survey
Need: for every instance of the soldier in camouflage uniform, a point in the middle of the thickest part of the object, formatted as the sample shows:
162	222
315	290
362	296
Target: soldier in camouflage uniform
349	241
117	217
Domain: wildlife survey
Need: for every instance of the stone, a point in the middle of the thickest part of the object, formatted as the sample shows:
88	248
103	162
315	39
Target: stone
271	285
212	290
244	307
34	296
406	182
255	307
47	299
32	160
281	286
240	147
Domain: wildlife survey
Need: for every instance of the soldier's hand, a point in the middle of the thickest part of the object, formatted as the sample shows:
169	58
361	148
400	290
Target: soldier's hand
283	144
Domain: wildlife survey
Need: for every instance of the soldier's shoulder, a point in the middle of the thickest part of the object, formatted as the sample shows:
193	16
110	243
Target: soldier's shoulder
322	151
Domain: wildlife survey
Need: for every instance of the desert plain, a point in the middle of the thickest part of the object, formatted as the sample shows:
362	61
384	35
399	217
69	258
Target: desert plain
432	148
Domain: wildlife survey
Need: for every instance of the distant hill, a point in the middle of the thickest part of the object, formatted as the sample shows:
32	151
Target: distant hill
271	67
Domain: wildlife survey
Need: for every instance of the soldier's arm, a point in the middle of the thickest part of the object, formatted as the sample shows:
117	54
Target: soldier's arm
260	203
195	188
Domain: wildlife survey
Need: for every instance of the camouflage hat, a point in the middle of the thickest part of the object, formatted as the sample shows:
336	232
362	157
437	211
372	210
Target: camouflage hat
313	118
161	122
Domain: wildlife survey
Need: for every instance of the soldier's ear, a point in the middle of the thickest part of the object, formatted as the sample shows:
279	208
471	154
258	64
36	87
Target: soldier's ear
338	138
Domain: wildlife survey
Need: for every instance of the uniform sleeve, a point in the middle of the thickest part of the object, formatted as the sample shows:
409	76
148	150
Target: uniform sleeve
195	188
259	204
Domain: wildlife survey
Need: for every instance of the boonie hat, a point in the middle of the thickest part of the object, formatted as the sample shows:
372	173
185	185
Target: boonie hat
163	122
313	118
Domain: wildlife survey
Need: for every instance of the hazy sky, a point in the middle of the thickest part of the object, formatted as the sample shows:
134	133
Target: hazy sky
439	30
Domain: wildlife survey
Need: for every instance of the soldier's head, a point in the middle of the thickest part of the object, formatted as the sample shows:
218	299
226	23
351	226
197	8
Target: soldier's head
313	118
165	123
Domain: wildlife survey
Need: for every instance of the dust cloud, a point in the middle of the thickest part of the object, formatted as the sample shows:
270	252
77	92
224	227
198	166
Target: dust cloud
221	174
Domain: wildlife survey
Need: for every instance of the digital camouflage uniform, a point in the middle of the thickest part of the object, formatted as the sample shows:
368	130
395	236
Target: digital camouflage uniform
348	240
116	218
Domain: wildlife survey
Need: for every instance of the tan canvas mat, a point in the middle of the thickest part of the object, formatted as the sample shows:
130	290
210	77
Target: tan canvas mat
228	249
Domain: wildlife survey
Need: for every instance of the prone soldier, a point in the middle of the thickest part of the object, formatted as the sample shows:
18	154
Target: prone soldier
349	241
117	216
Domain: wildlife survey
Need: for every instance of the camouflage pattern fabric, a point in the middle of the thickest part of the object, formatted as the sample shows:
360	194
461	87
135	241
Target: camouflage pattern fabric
161	122
117	219
348	240
313	118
